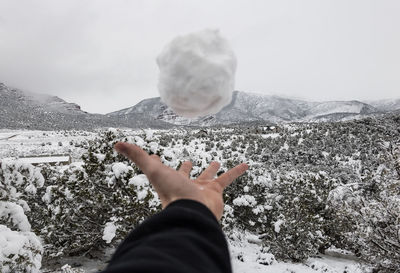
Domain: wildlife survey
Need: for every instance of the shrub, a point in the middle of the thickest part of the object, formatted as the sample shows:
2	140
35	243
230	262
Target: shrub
96	204
373	224
21	250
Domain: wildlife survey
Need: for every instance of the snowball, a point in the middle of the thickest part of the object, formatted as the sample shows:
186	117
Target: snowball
197	73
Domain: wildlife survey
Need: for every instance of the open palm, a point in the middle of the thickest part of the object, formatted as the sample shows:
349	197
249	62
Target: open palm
172	185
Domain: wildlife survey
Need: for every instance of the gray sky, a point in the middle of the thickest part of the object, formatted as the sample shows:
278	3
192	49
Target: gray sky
101	54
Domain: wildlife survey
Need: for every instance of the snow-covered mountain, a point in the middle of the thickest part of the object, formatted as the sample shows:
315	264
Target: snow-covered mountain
25	110
20	109
385	105
339	110
249	107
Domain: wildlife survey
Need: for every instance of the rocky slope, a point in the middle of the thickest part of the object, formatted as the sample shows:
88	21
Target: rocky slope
248	107
25	110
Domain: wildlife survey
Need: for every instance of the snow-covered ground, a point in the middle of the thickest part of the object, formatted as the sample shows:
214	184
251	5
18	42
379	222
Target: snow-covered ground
247	254
22	143
246	258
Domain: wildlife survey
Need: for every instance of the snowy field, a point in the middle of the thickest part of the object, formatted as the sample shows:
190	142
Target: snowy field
20	143
247	262
247	252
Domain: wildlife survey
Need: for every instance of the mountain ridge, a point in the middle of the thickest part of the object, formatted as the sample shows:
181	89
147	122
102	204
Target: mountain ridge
251	107
25	110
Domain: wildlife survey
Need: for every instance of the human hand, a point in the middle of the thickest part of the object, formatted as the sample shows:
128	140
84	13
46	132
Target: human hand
172	185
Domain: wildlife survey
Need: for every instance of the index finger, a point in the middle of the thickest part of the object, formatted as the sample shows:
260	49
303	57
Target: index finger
227	178
137	155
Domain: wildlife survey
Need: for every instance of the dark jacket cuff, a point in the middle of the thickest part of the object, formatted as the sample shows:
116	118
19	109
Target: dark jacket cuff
190	204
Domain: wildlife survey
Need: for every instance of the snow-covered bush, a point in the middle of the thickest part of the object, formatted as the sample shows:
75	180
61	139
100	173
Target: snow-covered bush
295	227
98	203
289	215
240	200
372	216
378	233
20	249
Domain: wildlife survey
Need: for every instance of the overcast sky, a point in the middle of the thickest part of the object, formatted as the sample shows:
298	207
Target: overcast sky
101	54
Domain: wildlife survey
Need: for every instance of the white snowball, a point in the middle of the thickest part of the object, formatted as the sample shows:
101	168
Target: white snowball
197	73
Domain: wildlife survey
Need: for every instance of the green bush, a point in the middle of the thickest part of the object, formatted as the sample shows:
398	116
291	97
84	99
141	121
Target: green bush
21	250
106	190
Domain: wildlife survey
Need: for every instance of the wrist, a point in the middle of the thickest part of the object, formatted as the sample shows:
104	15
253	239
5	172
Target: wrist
192	204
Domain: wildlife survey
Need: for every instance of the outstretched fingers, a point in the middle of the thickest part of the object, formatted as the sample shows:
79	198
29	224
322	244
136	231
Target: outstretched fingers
227	178
185	168
210	172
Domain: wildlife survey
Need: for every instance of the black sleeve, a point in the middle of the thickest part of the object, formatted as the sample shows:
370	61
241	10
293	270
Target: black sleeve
184	237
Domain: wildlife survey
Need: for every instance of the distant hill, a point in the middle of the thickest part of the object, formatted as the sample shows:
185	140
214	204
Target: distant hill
249	107
24	110
385	105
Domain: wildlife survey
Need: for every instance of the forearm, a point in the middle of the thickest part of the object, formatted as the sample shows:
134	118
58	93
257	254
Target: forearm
184	237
